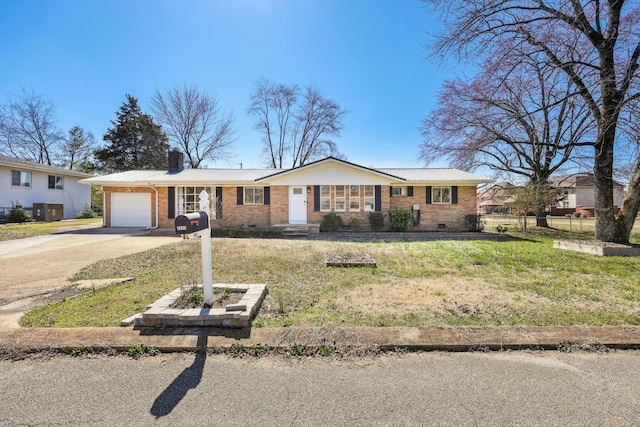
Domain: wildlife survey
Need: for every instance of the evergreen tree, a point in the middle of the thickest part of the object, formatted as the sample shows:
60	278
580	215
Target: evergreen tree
135	141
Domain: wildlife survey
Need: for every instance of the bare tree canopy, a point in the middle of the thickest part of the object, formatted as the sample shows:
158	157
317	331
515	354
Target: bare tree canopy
296	126
28	128
595	43
193	121
76	150
524	119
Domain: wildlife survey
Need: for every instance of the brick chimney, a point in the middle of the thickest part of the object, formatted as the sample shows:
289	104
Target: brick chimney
176	161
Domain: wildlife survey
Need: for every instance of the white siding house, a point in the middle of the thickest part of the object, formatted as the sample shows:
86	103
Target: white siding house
27	183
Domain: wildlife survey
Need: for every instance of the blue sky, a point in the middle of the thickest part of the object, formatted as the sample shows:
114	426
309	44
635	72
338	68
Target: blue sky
367	55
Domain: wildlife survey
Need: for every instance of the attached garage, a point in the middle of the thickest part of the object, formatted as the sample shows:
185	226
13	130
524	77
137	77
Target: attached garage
131	209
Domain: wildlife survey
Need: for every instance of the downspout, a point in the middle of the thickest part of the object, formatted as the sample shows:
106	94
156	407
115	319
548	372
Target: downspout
104	206
157	205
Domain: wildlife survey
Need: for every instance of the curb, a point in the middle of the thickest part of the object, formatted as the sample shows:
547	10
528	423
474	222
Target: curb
419	338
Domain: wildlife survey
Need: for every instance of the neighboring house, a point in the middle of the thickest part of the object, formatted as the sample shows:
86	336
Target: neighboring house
49	188
497	198
577	192
302	195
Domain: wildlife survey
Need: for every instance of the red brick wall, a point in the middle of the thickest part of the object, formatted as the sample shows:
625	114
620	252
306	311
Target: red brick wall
278	211
433	214
234	215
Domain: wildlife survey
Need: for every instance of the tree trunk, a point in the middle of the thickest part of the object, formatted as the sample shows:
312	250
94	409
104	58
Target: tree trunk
603	181
541	217
629	209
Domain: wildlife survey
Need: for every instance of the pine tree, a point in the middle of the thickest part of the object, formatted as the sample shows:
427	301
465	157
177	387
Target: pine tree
135	141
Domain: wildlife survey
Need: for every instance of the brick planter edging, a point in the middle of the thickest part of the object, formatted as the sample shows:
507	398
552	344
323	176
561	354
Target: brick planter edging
236	315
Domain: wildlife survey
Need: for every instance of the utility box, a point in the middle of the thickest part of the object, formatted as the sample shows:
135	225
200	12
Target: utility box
192	223
48	211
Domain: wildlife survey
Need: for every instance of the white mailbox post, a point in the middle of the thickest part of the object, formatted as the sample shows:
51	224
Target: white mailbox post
205	239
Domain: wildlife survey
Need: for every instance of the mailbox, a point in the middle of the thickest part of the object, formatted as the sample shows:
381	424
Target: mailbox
191	223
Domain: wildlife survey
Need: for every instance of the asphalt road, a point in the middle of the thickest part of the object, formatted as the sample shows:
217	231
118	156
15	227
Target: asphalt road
435	389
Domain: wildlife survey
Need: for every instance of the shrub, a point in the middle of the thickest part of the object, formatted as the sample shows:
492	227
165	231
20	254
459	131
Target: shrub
376	221
576	214
87	212
355	224
238	233
331	222
400	219
17	214
474	222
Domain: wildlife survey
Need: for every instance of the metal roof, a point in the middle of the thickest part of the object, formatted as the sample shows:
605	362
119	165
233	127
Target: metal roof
247	176
184	177
429	175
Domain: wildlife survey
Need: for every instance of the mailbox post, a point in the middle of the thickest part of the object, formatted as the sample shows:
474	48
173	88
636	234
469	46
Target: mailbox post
205	239
194	223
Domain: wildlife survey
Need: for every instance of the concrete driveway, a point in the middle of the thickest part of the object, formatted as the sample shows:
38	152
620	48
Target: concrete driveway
37	265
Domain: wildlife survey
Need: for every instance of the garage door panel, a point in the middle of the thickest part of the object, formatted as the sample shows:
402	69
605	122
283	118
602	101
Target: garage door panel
131	209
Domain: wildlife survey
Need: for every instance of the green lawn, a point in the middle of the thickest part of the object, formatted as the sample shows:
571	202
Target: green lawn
31	229
453	282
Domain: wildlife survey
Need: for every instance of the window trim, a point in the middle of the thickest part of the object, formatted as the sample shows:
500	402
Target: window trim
55	186
325	198
440	202
253	194
403	191
371	198
23	183
343	199
180	202
351	198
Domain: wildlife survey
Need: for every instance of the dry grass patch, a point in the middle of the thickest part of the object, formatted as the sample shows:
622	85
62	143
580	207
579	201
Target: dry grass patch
415	283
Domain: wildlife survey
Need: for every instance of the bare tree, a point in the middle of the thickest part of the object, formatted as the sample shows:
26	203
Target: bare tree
597	45
28	128
193	121
524	119
293	124
76	150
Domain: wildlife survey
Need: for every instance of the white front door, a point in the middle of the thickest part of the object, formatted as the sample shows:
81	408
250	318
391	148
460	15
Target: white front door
297	205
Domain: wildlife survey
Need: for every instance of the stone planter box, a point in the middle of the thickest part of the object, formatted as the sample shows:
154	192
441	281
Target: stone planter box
238	315
597	248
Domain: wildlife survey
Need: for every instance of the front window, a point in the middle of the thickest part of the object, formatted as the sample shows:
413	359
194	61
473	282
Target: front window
56	182
325	198
398	191
369	198
340	198
441	195
354	197
189	199
21	179
254	195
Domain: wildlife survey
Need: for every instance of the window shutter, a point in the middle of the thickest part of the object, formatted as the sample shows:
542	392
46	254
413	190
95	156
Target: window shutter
428	194
316	198
454	194
240	198
219	202
267	195
52	181
171	200
390	191
378	196
410	191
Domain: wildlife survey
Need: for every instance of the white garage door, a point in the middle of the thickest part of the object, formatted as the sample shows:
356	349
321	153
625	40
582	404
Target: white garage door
131	209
